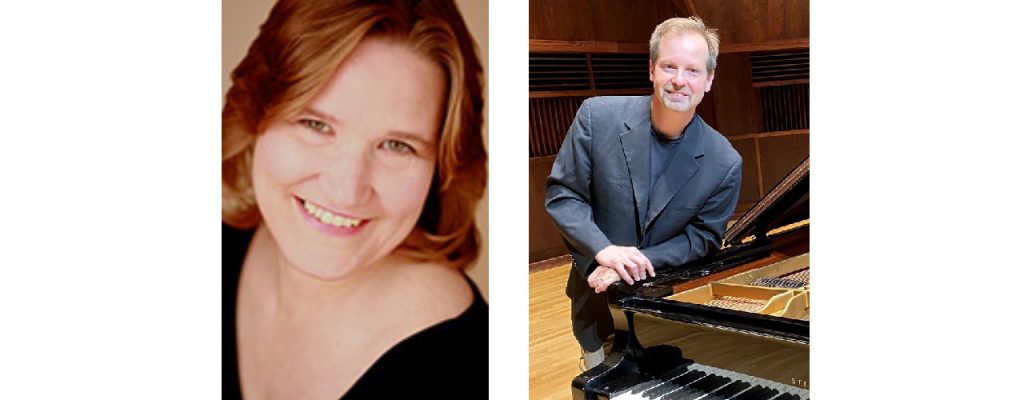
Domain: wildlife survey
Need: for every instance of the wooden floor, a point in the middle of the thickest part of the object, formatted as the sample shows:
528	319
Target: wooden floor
554	354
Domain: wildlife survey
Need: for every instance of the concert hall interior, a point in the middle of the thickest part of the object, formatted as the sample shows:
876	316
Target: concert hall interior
759	102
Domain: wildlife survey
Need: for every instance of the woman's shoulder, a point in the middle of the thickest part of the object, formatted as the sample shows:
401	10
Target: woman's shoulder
450	354
437	291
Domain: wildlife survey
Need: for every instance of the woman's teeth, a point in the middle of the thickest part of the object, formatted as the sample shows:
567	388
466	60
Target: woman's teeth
329	218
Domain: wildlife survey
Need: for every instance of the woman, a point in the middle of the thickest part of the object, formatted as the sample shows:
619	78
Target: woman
352	164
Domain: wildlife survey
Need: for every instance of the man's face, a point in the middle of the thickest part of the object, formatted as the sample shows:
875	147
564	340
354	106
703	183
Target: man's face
680	74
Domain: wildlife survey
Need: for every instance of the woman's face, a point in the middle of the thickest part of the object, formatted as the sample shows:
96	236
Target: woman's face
343	183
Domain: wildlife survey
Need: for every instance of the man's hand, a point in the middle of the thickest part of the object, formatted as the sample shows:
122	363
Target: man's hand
628	262
602	277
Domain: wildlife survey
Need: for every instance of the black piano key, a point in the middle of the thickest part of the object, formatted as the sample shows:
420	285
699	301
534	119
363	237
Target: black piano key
688	377
727	391
681	393
673	373
677	395
676	383
755	393
771	393
658	391
765	394
684	394
622	384
644	386
707	385
787	396
663	378
689	391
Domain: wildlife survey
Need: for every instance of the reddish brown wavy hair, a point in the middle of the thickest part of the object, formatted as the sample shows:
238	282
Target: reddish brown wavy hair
298	49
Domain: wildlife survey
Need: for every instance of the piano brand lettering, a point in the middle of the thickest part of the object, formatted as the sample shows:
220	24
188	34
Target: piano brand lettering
798	382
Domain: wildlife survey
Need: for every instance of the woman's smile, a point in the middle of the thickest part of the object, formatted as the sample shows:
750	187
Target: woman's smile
331	222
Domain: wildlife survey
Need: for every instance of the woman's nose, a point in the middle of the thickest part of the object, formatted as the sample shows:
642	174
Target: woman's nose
347	176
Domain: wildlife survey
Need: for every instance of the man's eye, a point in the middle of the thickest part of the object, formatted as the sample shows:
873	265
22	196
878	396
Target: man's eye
397	147
316	126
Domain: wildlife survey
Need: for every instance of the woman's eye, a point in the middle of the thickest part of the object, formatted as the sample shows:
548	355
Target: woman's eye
397	147
316	126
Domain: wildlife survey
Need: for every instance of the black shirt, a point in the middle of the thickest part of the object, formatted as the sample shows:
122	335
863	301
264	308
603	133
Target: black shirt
448	358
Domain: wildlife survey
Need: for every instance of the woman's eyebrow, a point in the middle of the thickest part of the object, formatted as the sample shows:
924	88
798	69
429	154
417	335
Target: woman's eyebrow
412	137
319	114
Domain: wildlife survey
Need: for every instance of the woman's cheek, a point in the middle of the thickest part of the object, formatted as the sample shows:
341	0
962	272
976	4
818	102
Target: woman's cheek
281	158
408	188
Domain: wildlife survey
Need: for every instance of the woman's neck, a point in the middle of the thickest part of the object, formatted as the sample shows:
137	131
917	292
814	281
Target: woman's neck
297	293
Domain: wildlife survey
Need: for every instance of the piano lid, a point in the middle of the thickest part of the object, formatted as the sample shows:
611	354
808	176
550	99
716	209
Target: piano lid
787	203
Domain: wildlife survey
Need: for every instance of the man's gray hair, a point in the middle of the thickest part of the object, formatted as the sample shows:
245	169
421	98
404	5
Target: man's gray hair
678	26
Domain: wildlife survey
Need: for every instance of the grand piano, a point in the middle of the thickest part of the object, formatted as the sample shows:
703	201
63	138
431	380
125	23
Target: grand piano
733	325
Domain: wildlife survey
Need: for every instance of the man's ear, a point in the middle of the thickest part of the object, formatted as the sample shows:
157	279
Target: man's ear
650	70
711	78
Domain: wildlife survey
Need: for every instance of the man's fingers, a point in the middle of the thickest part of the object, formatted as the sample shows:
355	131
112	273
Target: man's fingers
633	268
595	278
643	262
623	273
647	267
641	270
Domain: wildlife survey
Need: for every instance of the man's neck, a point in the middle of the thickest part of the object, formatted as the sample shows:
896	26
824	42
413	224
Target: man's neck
667	122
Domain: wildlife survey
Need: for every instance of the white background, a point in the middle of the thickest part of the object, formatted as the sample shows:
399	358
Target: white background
110	193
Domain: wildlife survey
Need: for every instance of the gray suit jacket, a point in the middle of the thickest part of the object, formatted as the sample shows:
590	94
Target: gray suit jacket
597	193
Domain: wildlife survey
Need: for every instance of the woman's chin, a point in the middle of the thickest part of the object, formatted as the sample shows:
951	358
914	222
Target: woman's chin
335	272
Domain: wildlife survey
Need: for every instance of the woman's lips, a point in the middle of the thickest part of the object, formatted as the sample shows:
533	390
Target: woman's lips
329	221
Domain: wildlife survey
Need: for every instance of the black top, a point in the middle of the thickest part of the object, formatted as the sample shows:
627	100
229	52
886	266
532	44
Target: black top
663	150
448	358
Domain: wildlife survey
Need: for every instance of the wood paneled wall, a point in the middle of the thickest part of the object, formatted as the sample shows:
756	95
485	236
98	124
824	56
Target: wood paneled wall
737	21
550	118
755	21
736	101
597	20
545	241
767	158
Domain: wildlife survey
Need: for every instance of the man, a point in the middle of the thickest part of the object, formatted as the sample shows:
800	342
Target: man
642	182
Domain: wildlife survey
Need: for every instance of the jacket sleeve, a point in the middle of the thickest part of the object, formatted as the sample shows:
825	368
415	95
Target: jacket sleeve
704	232
568	201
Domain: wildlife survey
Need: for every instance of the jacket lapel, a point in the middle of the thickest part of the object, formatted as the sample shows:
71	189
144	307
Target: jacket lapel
636	147
683	166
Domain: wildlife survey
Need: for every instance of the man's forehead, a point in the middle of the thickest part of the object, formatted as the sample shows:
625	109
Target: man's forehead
697	43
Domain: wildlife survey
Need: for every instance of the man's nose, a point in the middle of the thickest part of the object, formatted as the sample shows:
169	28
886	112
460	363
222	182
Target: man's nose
347	176
677	80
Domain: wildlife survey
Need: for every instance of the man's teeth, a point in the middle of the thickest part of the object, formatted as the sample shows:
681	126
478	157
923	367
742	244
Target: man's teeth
330	219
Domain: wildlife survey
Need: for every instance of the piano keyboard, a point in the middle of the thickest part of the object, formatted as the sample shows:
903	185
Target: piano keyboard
702	382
